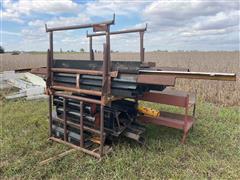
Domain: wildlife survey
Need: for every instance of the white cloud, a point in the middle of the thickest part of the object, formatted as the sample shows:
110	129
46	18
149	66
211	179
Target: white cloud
60	21
178	13
15	10
219	21
171	24
103	7
10	33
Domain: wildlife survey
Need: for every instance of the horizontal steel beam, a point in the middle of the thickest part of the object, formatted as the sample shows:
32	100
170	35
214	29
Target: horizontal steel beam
79	98
119	32
109	22
81	71
76	90
193	75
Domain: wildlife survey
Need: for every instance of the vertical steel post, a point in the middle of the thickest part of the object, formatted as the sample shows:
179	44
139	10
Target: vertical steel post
48	92
51	54
101	130
65	119
49	83
91	49
50	114
141	46
81	124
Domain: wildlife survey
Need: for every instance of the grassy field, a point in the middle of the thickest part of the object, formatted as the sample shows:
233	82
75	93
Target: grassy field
212	150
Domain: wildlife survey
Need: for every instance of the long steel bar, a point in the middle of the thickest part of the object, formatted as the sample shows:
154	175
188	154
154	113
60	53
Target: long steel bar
101	130
65	118
51	55
78	98
81	124
76	90
49	83
141	46
193	75
81	71
119	32
76	147
80	26
50	114
91	49
140	30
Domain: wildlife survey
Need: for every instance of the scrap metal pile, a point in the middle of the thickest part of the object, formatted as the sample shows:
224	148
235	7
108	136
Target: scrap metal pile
91	103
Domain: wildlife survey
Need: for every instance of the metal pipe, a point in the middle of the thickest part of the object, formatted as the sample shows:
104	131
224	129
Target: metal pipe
81	124
65	119
48	81
50	114
91	49
193	75
101	130
141	47
76	147
81	71
119	32
51	54
78	98
76	90
80	26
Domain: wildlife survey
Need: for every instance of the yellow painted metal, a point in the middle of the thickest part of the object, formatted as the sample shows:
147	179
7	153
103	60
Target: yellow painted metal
148	111
95	139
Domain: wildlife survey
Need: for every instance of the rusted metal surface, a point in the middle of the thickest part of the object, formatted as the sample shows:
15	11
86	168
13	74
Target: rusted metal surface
65	119
76	90
69	123
193	75
76	147
80	71
78	98
155	79
161	98
141	33
63	28
141	46
39	71
83	91
81	124
119	32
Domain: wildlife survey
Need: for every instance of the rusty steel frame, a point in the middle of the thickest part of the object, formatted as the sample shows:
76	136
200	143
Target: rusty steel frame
104	94
139	30
152	77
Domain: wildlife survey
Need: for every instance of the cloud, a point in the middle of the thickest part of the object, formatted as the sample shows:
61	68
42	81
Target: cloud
219	21
10	33
104	8
60	21
167	14
15	10
172	25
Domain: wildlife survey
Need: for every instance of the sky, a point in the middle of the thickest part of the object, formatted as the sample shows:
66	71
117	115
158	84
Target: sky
203	25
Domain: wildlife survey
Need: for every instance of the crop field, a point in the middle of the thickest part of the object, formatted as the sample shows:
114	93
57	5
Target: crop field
219	92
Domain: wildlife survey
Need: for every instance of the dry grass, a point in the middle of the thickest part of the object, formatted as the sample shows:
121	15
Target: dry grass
217	92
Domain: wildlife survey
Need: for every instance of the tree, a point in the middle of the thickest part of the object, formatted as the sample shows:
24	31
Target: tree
1	49
82	50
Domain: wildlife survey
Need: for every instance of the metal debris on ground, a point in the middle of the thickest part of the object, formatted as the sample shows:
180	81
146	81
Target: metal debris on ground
29	85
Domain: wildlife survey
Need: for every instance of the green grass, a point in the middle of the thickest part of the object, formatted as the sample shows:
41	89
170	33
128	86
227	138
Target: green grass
212	149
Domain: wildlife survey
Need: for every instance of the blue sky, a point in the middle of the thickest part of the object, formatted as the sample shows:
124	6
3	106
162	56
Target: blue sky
205	25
